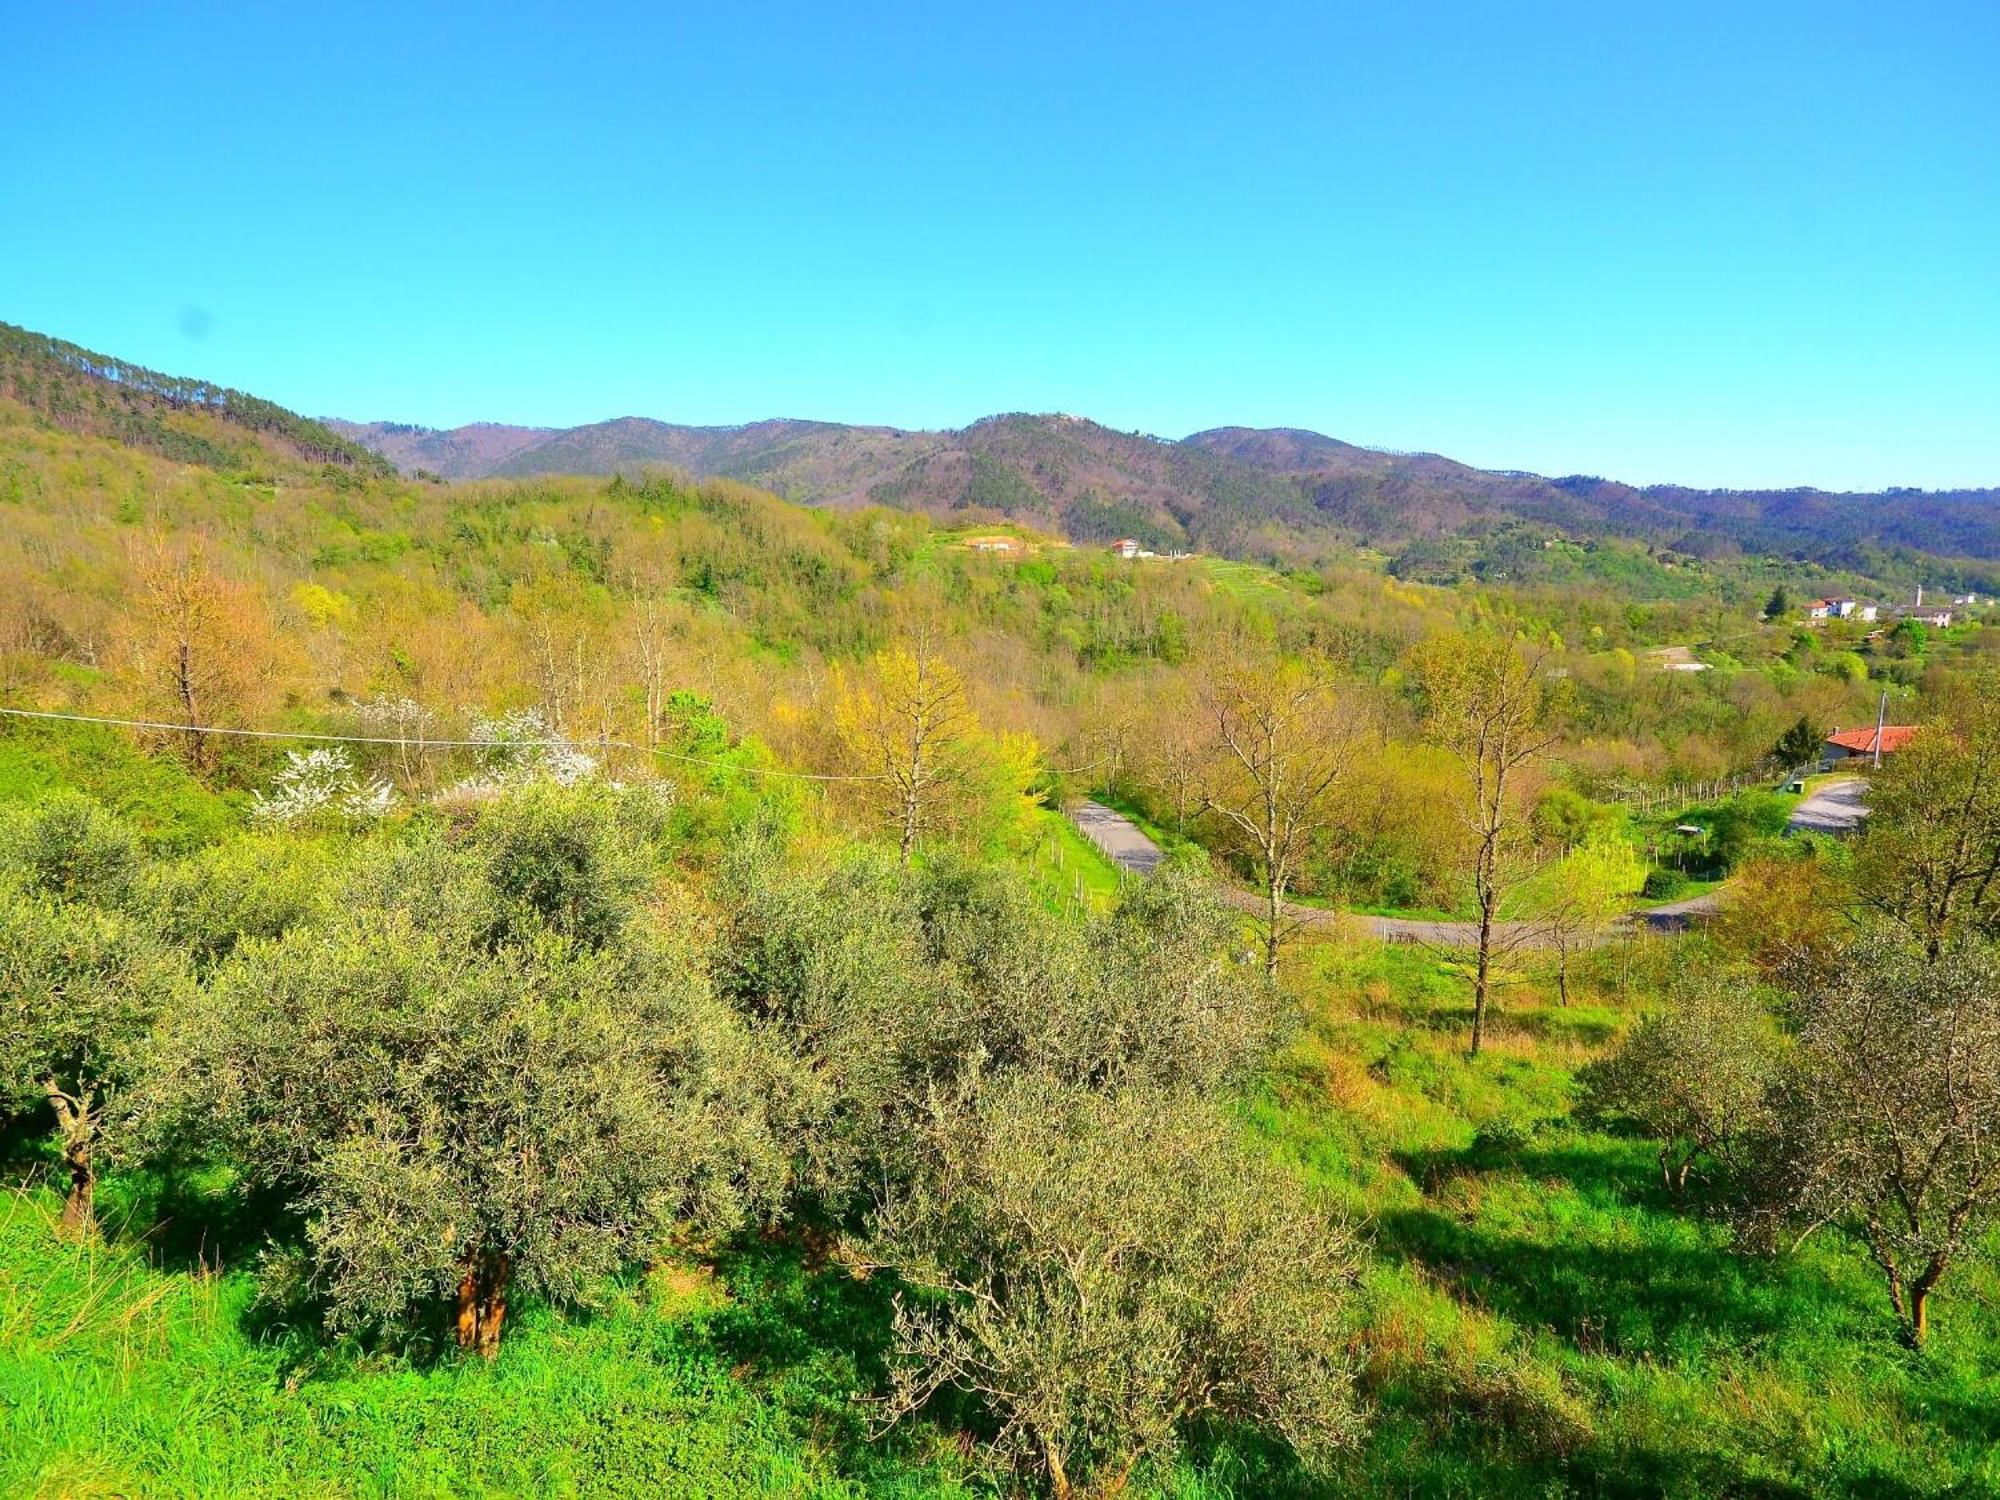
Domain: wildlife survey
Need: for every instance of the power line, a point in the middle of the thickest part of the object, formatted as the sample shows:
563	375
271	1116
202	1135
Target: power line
426	743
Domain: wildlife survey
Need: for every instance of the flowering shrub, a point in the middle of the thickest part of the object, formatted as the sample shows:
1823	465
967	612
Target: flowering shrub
322	783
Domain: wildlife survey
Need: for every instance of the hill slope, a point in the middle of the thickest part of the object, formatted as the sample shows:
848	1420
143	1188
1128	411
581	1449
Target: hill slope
187	420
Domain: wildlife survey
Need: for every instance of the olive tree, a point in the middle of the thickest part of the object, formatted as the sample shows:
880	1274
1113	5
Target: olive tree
1102	1270
80	980
80	988
1929	856
1887	1124
480	1076
69	848
892	984
1695	1074
458	1124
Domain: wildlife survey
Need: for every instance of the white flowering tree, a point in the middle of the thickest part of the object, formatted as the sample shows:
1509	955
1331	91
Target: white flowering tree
322	784
523	747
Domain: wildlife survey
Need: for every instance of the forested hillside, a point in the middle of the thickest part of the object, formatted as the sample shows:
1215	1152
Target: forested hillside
587	985
186	420
1263	494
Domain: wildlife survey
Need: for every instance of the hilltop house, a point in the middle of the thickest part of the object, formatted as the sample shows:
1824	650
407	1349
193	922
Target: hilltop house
1848	744
1003	546
1839	608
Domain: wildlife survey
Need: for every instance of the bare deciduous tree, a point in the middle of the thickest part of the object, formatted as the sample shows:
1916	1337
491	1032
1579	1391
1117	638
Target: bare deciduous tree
1484	701
1285	740
203	641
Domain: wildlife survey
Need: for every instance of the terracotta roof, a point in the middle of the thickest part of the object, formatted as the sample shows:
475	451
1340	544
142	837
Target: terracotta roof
1862	741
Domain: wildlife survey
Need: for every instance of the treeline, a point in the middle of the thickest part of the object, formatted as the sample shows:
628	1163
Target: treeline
105	397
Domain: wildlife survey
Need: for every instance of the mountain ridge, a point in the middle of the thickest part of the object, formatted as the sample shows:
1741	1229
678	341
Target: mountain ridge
1267	491
1275	494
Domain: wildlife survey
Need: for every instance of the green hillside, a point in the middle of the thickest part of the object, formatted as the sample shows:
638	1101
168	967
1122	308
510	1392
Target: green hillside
587	986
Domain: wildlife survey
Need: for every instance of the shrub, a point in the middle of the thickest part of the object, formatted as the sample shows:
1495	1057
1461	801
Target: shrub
1663	885
1100	1271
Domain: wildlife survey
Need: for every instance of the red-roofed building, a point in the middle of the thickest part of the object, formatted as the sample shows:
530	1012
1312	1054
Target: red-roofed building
1846	744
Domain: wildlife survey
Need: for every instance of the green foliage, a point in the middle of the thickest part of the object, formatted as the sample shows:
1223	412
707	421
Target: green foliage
70	848
154	795
530	1119
1567	819
1663	885
1884	1126
562	860
1106	1270
80	989
1695	1074
1800	744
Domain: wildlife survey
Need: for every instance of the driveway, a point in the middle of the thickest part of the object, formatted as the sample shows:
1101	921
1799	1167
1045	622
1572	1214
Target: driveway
1838	807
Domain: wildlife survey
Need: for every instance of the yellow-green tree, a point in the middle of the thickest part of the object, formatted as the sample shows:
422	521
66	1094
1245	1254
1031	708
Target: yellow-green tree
906	724
1485	702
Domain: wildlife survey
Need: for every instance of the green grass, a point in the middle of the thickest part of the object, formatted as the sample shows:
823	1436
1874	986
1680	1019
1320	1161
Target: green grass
1064	864
1541	1319
1242	579
120	1377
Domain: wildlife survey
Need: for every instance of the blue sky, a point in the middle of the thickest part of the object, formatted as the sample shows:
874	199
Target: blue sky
1753	243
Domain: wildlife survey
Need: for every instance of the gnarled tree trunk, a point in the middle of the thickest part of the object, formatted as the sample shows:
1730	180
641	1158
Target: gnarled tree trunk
78	1125
482	1302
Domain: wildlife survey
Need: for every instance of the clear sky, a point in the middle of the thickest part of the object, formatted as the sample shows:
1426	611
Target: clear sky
1743	242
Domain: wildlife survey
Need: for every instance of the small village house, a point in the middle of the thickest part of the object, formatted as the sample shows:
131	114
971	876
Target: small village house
1850	745
1001	546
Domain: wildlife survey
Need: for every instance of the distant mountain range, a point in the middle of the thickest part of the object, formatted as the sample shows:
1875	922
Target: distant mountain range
1229	489
1274	493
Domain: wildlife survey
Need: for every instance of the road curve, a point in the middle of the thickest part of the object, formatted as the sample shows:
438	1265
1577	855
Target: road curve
1126	846
1835	808
1838	808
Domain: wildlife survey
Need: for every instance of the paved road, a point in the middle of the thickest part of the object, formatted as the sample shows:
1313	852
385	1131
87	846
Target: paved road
1118	836
1835	808
1128	848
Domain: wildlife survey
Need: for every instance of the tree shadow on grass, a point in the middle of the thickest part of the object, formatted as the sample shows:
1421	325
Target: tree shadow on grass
816	1338
1628	1297
196	1222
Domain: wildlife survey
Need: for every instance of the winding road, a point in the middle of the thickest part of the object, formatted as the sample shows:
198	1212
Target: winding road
1835	808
